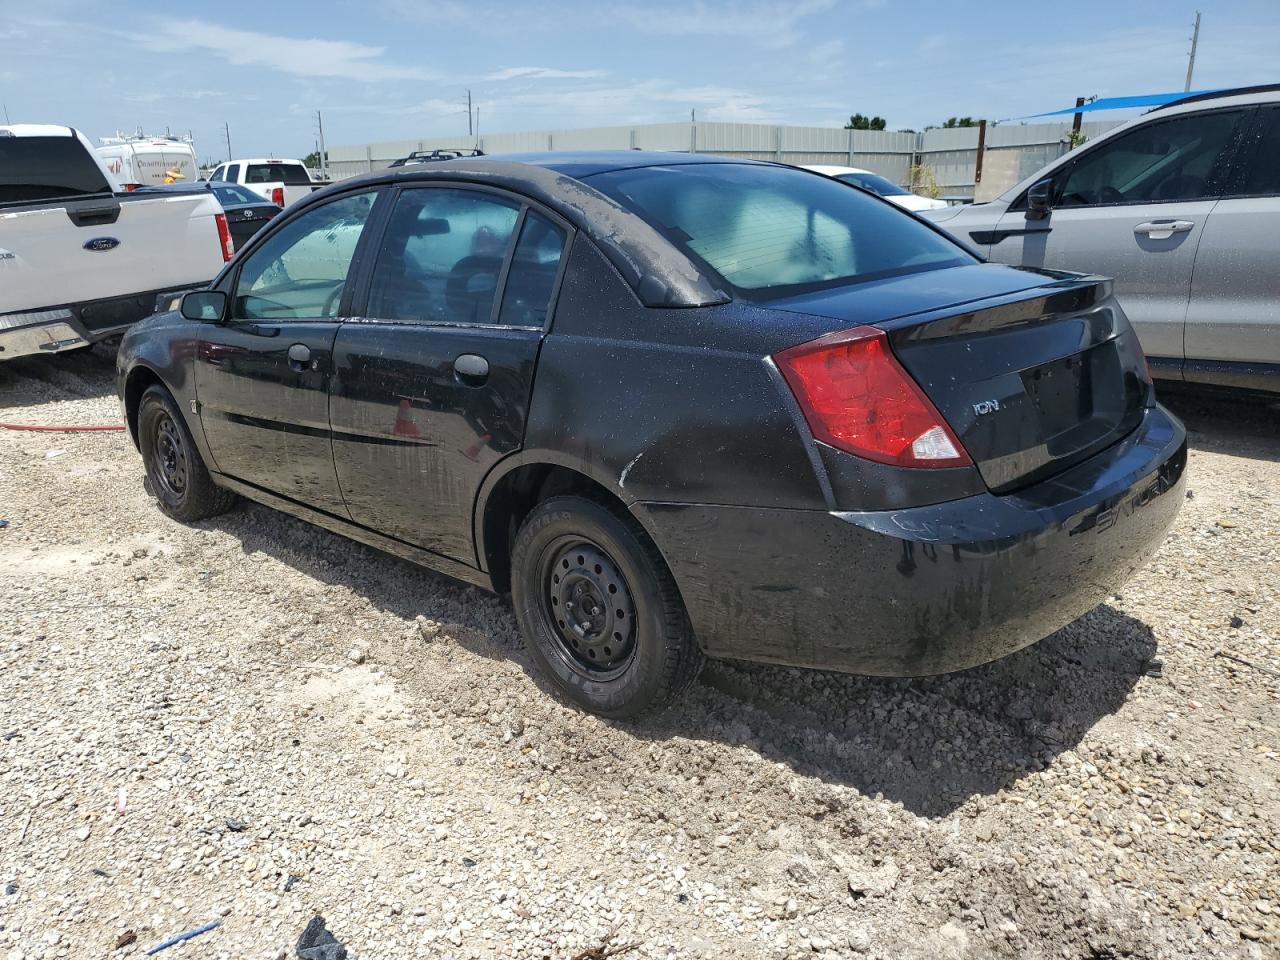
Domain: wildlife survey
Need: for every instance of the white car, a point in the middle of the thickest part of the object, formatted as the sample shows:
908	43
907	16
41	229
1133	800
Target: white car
882	186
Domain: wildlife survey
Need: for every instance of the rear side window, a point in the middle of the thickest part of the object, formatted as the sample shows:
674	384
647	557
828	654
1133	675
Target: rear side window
1261	174
233	193
770	230
875	183
47	168
1178	159
290	174
441	256
531	281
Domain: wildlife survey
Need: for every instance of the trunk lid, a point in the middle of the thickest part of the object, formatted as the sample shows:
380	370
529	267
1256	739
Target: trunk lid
1033	371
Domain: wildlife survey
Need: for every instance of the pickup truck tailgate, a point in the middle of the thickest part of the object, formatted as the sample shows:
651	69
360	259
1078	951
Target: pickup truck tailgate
76	251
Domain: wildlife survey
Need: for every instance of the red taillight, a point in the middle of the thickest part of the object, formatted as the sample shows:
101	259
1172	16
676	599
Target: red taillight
856	397
224	236
277	196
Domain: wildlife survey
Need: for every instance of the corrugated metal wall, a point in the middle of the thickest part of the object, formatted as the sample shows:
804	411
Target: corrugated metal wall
1011	151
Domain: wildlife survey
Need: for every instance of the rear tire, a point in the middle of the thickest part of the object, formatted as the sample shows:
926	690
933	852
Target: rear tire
599	609
176	472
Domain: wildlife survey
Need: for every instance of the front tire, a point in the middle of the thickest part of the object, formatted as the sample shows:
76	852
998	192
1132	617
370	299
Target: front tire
176	472
599	609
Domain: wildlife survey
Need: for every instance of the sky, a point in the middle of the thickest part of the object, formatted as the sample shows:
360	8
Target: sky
400	69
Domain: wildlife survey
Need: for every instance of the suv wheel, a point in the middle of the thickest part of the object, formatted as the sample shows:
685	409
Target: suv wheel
599	608
175	470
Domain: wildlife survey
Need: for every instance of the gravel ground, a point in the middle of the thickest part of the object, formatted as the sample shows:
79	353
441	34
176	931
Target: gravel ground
298	725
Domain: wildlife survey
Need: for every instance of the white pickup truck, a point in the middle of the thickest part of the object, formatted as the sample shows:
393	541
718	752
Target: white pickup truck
281	181
79	260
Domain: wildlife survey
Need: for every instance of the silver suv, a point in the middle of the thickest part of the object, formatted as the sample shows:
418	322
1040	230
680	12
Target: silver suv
1181	207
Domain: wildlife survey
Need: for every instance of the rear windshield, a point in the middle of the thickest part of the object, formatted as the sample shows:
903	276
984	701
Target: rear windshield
290	174
875	183
231	193
772	231
47	168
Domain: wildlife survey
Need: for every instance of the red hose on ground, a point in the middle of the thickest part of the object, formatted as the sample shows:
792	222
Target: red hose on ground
61	429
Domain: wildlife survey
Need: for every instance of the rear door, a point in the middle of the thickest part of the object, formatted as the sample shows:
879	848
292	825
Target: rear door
1134	208
1234	316
262	376
431	386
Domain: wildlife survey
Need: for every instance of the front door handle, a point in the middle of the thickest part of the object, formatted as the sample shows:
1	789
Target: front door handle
471	369
299	357
1163	229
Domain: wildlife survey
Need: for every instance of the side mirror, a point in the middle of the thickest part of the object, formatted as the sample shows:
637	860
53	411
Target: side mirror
1040	199
205	305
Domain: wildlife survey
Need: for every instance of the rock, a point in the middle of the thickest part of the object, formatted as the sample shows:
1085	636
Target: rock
357	655
859	940
873	881
83	833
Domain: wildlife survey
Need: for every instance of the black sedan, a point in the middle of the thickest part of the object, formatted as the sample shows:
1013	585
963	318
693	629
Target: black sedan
247	212
678	407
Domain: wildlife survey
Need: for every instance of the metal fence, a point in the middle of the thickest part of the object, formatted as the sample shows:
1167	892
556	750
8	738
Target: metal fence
1011	152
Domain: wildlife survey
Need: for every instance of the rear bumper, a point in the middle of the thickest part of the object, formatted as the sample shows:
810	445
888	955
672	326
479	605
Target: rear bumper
66	327
929	589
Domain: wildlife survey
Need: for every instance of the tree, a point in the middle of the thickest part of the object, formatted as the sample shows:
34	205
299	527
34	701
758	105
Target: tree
859	122
953	122
312	160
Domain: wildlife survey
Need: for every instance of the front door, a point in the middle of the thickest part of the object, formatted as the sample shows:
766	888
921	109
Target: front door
262	376
1133	208
431	386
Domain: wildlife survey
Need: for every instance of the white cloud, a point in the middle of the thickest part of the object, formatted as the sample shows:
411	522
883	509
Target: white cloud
766	24
542	73
302	57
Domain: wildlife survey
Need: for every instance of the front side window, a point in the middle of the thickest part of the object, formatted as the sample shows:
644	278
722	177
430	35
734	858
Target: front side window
217	174
769	230
232	173
1178	159
301	269
442	255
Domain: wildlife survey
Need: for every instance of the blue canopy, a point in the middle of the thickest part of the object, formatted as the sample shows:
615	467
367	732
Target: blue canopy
1121	103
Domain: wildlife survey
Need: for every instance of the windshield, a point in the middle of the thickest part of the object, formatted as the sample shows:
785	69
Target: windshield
290	174
771	230
231	193
875	183
47	168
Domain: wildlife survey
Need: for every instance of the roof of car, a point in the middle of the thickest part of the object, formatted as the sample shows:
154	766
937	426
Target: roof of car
586	163
1260	93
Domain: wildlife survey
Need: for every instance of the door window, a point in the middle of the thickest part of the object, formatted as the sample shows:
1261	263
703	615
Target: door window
442	255
301	269
233	173
1261	174
1178	159
531	281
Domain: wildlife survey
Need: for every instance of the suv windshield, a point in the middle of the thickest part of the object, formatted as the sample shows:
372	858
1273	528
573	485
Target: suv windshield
47	168
290	174
770	230
875	183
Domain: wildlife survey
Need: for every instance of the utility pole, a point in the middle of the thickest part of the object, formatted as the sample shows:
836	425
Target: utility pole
324	160
1191	60
226	129
471	132
477	134
6	113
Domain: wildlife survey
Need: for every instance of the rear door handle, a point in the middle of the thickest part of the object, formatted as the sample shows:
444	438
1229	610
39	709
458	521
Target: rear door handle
299	357
471	369
1163	229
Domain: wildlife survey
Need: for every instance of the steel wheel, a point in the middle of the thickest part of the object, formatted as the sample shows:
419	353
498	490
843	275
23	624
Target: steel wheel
169	458
588	606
